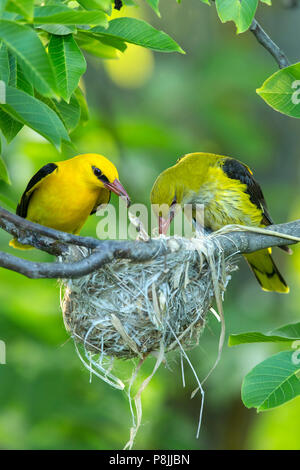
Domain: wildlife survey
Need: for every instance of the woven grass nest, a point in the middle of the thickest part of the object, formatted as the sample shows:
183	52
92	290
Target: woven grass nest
128	309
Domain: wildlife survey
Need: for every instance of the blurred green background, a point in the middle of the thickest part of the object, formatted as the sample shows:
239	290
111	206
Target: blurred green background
147	109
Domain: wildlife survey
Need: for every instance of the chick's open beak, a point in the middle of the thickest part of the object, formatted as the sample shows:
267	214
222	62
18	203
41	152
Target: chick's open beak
117	188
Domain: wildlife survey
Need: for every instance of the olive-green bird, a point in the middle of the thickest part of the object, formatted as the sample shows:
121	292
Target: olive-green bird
230	195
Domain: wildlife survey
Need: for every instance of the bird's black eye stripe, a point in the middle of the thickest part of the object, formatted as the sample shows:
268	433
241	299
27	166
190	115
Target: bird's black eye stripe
100	175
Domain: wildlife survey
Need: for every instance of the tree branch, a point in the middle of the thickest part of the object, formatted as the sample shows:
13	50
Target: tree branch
103	252
265	40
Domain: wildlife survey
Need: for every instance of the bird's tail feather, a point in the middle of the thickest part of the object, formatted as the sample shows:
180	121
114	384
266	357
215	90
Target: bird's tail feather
266	271
15	244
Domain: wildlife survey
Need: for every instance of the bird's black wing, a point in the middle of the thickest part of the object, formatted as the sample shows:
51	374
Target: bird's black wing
31	187
237	170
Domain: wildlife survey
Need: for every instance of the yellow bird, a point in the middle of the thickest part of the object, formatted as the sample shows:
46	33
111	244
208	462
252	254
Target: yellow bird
62	195
230	195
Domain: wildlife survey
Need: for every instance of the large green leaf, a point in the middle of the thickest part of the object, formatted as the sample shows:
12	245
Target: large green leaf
22	7
281	91
22	83
4	176
272	382
104	5
241	12
4	63
286	333
9	126
59	29
141	33
61	14
30	111
25	45
69	64
12	81
17	77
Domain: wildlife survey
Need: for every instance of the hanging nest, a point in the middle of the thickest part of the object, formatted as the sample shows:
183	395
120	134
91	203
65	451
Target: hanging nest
128	309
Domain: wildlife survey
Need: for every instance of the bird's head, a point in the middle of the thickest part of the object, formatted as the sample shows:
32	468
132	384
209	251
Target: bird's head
178	185
101	173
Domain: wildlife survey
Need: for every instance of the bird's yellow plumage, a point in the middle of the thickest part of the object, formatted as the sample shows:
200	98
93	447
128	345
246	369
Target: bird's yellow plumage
230	195
62	195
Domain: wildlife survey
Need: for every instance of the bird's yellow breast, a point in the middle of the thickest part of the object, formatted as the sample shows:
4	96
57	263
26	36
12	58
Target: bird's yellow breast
225	201
62	202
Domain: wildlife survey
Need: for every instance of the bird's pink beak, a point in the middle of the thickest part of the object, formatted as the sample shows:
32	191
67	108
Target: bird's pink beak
164	224
117	188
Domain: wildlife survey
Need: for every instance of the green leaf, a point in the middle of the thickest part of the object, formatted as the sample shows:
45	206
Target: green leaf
255	337
58	29
154	4
22	7
61	14
30	111
22	83
203	1
104	5
69	64
286	333
141	33
281	91
241	12
291	331
12	70
70	113
87	36
96	47
84	110
25	45
4	63
9	126
4	176
272	382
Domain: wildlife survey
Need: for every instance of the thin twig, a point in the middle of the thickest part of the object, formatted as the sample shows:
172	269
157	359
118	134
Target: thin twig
265	40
